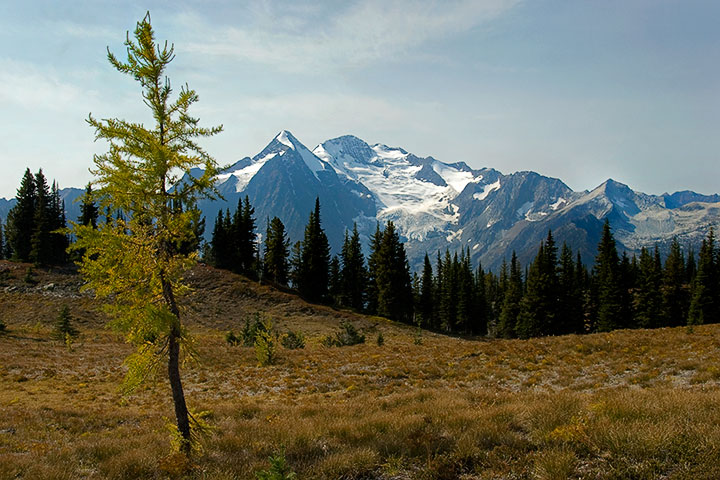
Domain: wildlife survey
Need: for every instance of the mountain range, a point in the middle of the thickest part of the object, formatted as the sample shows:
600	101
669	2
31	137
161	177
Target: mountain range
438	205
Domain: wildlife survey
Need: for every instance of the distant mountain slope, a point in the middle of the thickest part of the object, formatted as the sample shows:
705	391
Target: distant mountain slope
438	205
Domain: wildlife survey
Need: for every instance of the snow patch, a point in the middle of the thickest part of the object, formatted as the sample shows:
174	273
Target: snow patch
454	235
457	179
283	138
476	246
557	204
524	209
244	175
486	190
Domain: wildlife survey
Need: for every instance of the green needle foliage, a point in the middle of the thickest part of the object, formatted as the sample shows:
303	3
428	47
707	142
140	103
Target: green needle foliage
137	260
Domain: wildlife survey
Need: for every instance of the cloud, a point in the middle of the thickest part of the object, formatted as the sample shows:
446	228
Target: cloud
309	40
28	86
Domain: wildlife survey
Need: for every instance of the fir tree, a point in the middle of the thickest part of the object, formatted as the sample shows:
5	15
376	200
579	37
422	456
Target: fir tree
314	260
569	311
243	249
674	288
353	276
607	280
334	281
275	265
373	260
511	300
647	293
704	303
481	309
41	251
426	300
89	210
295	262
392	280
21	219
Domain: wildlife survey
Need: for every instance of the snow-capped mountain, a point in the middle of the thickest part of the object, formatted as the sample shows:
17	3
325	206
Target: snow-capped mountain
438	205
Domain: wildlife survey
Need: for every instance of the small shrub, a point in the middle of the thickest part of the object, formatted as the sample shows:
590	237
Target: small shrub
417	338
279	469
251	330
265	345
63	327
3	328
380	339
232	339
293	340
30	277
348	335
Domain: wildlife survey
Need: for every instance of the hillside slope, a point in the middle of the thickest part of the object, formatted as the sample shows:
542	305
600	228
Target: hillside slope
627	404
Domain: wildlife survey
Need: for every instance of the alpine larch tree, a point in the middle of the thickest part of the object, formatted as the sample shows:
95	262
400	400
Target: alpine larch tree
137	259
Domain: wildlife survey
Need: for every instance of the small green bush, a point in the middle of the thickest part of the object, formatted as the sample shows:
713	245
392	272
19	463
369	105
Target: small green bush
348	335
279	469
232	339
380	339
63	326
266	345
293	340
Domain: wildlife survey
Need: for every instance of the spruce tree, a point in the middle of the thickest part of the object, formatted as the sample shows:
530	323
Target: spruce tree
20	223
480	319
674	288
373	261
353	276
393	282
427	295
41	250
607	280
570	295
704	303
89	210
242	231
275	264
448	293
532	316
647	292
334	281
511	300
315	260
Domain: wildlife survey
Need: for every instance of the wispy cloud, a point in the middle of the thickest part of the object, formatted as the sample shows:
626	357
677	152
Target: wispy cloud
306	39
30	87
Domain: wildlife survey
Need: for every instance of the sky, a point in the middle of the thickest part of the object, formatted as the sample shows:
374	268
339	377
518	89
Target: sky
580	90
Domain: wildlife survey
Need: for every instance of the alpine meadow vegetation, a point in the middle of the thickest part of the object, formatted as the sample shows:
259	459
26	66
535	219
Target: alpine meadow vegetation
137	259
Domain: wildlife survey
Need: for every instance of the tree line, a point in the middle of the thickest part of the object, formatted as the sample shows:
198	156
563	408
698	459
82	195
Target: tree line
555	294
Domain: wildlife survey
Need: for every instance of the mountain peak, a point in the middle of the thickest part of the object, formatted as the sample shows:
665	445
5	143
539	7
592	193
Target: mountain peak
287	139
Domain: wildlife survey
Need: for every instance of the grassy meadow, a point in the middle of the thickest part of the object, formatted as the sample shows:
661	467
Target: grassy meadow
640	404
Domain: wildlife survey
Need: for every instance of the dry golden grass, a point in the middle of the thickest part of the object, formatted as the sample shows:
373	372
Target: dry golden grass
628	404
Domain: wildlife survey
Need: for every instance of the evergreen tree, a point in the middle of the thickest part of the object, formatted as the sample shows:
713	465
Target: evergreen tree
426	300
533	312
136	262
59	241
570	295
295	262
41	250
243	239
89	211
704	303
314	260
674	288
480	320
448	293
647	298
373	261
353	276
275	265
393	282
334	282
467	308
607	280
511	300
20	223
